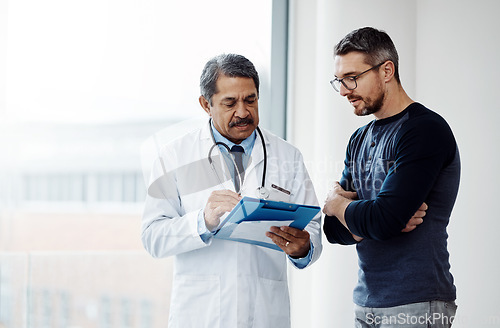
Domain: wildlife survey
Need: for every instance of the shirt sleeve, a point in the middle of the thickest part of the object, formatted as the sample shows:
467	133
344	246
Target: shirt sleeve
204	233
422	149
301	263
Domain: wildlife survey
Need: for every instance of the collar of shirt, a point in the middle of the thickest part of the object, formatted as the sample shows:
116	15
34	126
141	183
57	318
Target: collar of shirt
247	144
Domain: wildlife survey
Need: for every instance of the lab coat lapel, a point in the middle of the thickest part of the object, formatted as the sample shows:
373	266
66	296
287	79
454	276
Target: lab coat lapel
220	163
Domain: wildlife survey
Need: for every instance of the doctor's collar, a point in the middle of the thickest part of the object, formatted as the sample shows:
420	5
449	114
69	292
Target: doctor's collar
247	143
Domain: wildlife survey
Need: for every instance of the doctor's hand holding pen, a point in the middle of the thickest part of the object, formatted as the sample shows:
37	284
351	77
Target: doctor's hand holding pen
292	241
219	202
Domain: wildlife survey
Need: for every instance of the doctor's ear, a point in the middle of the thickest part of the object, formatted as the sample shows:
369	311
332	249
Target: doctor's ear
205	104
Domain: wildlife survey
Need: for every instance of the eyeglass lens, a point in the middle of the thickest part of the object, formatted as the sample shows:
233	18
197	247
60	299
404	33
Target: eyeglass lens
348	82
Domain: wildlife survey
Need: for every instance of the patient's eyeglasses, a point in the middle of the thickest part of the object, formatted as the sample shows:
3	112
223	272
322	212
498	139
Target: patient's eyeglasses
349	82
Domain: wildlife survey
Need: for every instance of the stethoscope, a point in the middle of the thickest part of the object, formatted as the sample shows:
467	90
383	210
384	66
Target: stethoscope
263	192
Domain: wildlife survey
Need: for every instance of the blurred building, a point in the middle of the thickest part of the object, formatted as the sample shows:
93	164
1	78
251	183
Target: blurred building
70	250
77	103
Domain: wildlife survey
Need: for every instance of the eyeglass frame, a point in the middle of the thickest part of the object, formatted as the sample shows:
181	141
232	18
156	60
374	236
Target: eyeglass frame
354	78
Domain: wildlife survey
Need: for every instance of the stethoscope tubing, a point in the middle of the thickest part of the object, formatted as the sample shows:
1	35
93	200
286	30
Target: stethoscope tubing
231	157
263	180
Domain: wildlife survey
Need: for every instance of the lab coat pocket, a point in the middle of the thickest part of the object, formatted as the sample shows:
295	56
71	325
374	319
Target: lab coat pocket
279	194
195	302
272	305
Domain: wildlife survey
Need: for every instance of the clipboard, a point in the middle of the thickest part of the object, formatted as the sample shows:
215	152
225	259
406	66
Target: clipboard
251	218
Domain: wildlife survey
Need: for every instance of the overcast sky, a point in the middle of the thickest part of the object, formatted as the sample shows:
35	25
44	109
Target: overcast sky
104	61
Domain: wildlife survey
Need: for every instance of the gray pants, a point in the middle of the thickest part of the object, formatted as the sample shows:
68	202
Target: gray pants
434	314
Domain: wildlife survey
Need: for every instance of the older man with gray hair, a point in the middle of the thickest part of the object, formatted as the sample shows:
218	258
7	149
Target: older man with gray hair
217	282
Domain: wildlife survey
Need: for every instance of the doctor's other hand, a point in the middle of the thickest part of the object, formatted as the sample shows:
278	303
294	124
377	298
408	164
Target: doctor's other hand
219	202
416	219
292	241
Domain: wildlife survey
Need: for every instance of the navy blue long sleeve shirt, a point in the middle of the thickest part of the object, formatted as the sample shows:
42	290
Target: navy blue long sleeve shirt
394	165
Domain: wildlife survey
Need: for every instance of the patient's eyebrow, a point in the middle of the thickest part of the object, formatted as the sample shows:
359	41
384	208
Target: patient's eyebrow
354	73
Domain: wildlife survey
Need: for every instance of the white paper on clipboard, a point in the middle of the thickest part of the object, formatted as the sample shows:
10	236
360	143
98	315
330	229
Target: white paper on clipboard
251	218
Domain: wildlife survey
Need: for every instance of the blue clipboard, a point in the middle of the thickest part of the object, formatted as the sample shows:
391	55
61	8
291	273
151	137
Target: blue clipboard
251	218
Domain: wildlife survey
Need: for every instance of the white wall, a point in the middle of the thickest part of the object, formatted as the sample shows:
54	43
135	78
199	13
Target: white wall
458	67
450	61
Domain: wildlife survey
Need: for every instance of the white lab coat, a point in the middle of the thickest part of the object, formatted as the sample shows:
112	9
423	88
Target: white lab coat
224	283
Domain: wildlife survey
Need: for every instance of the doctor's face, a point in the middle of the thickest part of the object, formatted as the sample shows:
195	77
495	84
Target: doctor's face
234	109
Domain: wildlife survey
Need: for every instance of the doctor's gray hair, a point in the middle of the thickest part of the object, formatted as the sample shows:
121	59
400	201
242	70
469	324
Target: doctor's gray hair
231	65
375	44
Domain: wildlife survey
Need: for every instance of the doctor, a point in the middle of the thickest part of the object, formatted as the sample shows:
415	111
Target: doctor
221	283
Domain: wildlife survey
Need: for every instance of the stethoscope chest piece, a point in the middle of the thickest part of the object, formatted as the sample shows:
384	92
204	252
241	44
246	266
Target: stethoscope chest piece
263	192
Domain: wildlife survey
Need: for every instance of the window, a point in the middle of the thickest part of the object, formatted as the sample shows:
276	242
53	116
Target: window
83	85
